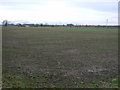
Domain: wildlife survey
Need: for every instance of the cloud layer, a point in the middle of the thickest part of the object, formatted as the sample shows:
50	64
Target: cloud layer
60	11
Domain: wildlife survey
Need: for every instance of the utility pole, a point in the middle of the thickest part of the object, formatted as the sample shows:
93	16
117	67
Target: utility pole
106	22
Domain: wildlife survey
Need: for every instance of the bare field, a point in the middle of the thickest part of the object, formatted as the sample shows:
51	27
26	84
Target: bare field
62	57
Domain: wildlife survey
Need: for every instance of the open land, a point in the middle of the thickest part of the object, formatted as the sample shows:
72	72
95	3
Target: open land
61	57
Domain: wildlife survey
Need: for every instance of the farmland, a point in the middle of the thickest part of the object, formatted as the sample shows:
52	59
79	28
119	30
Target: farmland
61	57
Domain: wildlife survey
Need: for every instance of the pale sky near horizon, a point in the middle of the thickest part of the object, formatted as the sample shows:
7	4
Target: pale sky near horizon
60	11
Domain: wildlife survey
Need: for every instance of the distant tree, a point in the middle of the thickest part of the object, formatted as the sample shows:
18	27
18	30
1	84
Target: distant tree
19	25
63	25
5	23
41	24
36	25
70	25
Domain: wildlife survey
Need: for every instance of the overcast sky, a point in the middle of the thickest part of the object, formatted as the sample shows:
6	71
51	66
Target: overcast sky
60	11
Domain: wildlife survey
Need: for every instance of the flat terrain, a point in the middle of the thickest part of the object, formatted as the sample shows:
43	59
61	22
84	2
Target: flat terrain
72	57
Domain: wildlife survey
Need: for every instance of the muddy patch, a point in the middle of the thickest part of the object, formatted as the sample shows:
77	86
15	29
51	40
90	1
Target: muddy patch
96	69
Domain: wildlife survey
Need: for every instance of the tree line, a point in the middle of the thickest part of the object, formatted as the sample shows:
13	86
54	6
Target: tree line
6	23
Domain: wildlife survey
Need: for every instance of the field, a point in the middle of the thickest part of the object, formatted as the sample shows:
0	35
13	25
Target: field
61	57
